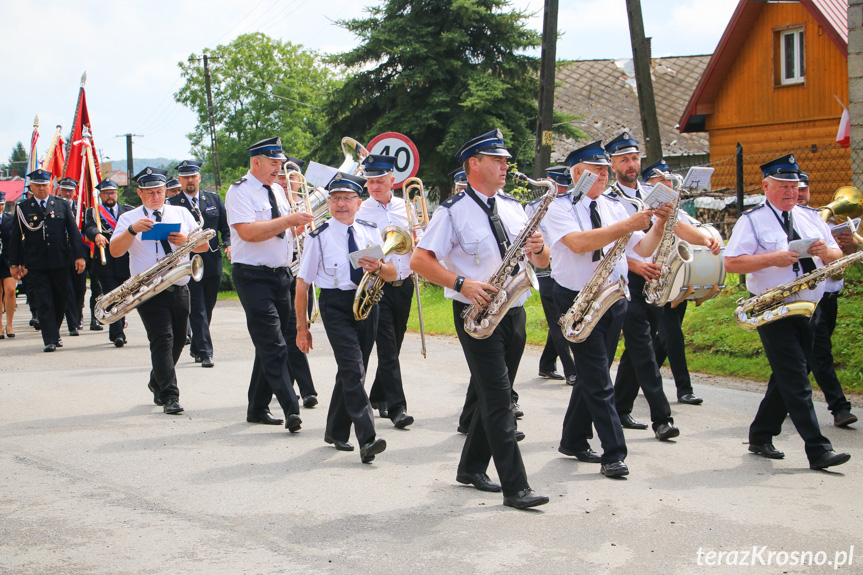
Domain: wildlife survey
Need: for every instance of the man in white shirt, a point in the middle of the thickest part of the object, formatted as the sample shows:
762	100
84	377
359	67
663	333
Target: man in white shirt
164	315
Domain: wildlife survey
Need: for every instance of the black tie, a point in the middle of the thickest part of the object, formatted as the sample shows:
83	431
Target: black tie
596	222
808	263
43	205
165	245
356	273
275	208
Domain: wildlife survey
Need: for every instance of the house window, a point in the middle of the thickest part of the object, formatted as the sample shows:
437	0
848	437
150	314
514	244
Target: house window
791	56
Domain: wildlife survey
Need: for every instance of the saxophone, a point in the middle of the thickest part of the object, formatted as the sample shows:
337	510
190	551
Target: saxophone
480	322
595	297
670	255
155	279
768	307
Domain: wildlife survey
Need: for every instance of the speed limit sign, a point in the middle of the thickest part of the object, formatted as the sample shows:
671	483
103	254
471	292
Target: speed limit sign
405	152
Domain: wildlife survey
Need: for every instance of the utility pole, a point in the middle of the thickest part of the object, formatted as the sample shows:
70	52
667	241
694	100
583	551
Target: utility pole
130	165
641	60
214	150
542	154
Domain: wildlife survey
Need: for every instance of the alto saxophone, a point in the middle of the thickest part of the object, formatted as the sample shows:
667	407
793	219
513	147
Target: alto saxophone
670	255
595	297
768	307
480	322
155	279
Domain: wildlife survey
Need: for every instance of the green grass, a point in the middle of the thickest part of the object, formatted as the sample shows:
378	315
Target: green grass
715	344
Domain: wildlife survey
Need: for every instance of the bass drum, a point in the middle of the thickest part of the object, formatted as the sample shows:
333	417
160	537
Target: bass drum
703	277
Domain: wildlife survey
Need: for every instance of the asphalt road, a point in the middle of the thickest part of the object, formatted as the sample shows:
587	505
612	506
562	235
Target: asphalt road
95	479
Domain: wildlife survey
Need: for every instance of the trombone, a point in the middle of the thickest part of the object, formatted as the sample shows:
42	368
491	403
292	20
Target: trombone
313	311
418	218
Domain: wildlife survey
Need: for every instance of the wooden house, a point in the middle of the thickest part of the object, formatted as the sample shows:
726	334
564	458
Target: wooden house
774	84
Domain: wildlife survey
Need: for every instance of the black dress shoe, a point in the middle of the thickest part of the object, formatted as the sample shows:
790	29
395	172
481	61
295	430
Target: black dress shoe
841	418
74	332
372	448
310	401
340	445
198	358
36	325
32	321
382	409
524	499
95	325
49	347
156	399
766	450
207	362
570	380
829	459
628	422
516	411
519	435
551	374
293	423
188	340
614	469
587	456
402	420
462	429
666	431
479	480
119	342
265	418
172	407
690	399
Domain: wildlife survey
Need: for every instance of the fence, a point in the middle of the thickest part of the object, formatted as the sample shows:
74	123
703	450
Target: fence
740	176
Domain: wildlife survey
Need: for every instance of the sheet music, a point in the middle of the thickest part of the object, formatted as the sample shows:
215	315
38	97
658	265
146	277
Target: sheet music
585	182
659	194
840	228
319	175
698	178
802	246
376	252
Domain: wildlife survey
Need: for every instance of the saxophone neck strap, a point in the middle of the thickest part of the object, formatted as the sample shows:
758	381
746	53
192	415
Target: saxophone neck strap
493	220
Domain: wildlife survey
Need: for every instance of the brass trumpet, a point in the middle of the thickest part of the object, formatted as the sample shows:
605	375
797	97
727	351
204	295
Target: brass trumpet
370	291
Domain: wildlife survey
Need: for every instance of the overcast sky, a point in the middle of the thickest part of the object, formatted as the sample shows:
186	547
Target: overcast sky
130	50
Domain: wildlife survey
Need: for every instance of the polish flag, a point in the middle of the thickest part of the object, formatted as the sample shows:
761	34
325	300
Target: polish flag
843	136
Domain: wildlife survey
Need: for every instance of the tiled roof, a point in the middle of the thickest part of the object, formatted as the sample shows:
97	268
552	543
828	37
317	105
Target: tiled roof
602	94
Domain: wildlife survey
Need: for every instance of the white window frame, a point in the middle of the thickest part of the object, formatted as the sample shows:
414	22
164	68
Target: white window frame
798	75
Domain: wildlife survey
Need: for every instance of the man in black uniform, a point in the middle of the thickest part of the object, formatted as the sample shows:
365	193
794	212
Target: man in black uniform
203	294
75	306
46	240
116	270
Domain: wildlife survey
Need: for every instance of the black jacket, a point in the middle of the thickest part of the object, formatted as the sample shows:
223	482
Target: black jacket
54	240
212	208
114	267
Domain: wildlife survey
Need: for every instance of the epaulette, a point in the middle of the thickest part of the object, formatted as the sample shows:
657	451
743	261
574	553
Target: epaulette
366	223
750	210
452	199
238	182
507	196
810	208
319	229
611	196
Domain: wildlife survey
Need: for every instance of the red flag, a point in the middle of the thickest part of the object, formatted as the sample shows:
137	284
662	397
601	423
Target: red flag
77	166
56	158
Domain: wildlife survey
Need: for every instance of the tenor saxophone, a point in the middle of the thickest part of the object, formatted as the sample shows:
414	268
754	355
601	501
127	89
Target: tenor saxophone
670	255
480	322
155	279
768	307
596	297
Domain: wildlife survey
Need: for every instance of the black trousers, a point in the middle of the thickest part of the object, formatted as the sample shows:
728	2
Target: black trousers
592	398
33	299
297	360
555	344
52	290
821	364
164	317
352	342
266	299
107	284
394	311
203	295
638	367
75	304
788	346
493	363
669	343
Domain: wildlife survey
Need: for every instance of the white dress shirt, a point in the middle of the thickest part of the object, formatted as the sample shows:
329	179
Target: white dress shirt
246	202
325	259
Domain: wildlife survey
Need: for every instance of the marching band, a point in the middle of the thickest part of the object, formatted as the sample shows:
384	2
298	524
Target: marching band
598	250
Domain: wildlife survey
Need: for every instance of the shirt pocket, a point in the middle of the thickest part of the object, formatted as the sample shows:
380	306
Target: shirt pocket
263	211
476	242
773	242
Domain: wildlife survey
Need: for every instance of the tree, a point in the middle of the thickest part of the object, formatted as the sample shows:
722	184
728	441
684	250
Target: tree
441	72
18	160
261	88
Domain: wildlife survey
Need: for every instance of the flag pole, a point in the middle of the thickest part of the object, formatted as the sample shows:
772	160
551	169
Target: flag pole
88	148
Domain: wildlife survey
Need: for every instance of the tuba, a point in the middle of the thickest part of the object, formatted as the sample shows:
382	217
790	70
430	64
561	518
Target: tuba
371	289
155	279
480	322
670	255
768	307
847	204
595	297
355	153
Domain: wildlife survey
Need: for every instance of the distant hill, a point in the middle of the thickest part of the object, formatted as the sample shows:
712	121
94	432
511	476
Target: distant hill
141	163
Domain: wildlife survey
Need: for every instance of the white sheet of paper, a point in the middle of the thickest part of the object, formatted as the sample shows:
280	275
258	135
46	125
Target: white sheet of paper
376	252
698	178
802	246
585	182
840	228
319	175
659	194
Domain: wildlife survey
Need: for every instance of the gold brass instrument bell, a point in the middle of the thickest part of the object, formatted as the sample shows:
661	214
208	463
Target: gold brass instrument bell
847	204
397	240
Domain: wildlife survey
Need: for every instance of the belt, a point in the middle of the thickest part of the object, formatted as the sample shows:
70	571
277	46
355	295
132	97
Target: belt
175	288
263	268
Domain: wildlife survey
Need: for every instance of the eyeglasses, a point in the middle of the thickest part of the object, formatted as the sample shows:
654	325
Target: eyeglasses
109	193
342	199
